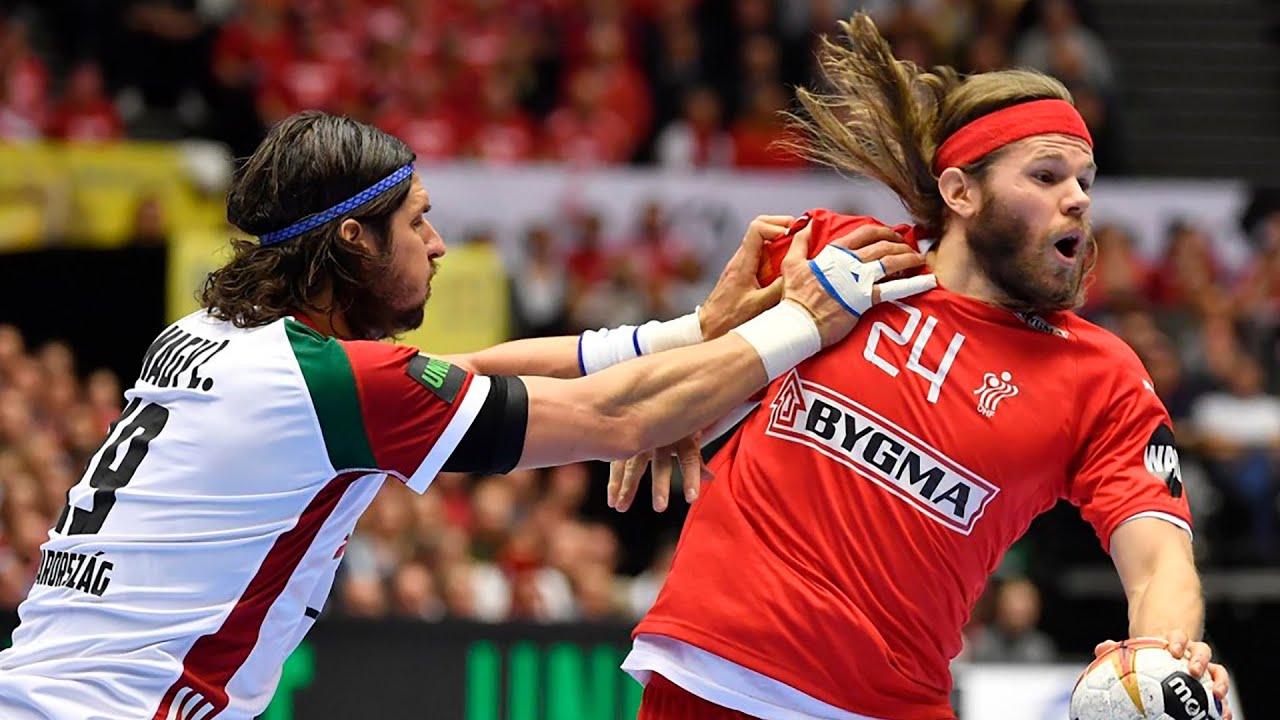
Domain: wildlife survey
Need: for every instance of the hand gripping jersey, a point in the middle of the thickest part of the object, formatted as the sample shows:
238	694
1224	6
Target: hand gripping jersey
203	538
855	517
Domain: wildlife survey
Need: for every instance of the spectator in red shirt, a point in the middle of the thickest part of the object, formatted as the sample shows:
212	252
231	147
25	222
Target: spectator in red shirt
1188	273
696	139
308	80
624	88
253	47
504	133
1120	275
24	80
424	120
757	132
587	262
85	113
586	131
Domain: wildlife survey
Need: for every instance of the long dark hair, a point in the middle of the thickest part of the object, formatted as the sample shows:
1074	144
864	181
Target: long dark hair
308	163
886	118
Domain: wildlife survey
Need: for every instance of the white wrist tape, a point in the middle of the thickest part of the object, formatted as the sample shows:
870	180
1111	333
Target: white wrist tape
784	336
681	332
599	349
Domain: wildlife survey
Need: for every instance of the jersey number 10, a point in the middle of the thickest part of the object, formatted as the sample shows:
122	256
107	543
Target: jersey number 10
112	468
902	337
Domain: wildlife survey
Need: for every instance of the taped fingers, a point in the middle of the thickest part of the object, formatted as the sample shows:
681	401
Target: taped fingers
906	287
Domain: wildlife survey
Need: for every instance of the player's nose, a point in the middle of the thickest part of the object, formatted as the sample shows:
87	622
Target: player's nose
1076	202
435	244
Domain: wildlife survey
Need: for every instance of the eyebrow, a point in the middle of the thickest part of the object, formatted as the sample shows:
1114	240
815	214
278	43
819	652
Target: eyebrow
1055	155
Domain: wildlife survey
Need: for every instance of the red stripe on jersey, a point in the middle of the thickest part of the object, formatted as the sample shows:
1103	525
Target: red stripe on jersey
402	418
214	658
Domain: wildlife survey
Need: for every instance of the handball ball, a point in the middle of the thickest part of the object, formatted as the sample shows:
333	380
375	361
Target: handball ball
1140	680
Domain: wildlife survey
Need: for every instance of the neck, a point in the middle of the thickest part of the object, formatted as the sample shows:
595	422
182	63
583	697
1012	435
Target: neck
957	270
325	320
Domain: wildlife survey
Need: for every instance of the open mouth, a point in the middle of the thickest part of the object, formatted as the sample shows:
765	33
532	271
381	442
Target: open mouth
1069	245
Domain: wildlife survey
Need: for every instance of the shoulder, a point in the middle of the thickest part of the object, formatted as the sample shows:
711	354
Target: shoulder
1101	351
1111	379
824	227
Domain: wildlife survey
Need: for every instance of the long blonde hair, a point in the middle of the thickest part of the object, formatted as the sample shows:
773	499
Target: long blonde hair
885	118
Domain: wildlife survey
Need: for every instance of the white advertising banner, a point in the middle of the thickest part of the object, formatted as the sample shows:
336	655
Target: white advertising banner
711	209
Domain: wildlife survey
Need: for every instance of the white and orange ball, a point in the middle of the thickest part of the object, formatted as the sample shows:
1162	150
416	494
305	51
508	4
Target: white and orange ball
1140	680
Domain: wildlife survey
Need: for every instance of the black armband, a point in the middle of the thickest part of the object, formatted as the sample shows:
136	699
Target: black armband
495	440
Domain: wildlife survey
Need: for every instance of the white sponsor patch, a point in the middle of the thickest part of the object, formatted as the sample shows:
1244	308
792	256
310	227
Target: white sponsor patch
851	434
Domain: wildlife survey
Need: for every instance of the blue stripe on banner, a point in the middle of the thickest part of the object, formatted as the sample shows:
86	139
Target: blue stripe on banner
635	340
582	366
826	285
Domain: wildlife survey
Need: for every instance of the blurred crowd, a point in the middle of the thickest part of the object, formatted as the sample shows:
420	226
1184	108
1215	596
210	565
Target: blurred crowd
1210	340
680	83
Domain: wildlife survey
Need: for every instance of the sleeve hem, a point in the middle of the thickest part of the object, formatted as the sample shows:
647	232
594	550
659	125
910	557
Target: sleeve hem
1157	514
476	392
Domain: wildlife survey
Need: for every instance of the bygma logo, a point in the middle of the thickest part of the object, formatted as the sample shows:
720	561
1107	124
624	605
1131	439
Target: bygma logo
1161	459
1184	698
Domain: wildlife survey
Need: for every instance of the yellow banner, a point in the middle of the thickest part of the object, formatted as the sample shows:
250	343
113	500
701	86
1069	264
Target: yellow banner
105	195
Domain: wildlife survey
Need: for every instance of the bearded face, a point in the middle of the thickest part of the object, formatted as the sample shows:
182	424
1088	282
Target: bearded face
1035	274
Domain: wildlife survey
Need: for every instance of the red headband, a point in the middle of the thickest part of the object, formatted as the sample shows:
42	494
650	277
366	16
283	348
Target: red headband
994	131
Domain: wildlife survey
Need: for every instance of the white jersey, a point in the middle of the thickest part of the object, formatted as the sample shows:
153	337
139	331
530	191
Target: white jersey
203	538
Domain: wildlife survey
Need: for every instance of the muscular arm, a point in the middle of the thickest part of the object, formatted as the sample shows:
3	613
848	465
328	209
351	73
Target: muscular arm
643	403
555	357
1158	571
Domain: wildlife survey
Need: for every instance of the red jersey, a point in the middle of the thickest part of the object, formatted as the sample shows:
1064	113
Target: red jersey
857	514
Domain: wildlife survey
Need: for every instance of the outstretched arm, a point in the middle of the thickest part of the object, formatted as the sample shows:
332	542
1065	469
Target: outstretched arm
736	298
656	400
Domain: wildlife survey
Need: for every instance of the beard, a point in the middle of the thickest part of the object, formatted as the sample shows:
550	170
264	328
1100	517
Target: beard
1017	264
376	314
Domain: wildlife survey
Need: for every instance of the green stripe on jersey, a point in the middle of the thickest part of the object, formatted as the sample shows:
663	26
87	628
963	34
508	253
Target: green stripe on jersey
332	385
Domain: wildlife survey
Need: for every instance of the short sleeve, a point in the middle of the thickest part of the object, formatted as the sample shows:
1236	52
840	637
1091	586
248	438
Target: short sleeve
415	408
1128	463
384	407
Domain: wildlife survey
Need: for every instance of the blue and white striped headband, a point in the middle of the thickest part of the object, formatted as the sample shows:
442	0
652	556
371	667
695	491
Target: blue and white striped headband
311	222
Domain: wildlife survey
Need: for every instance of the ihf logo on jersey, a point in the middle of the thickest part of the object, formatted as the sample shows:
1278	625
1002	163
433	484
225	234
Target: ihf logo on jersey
994	389
820	418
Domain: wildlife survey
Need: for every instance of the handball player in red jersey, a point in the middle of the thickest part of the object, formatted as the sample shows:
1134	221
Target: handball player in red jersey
856	515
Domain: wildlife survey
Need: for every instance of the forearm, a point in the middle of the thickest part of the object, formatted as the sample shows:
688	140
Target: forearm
1170	599
547	357
682	391
571	356
655	400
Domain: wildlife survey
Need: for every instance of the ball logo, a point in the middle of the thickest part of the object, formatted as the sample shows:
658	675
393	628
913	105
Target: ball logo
1184	698
1161	459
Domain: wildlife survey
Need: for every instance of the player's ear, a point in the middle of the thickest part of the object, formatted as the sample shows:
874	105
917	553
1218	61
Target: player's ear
960	192
353	231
